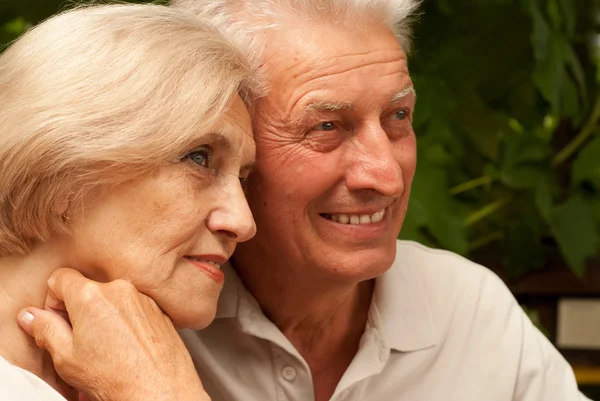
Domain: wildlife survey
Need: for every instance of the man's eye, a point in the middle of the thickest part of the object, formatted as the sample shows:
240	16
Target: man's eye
326	126
400	115
201	157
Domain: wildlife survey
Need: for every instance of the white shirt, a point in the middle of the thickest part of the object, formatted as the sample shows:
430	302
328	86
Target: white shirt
440	328
18	384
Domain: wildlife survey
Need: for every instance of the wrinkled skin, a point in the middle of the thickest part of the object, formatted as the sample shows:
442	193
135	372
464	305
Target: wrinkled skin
146	348
334	136
358	159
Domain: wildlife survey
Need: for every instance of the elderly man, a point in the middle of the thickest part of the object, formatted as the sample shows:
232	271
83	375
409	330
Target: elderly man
328	304
324	303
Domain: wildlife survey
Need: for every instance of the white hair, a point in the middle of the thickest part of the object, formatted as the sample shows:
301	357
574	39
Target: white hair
98	96
245	21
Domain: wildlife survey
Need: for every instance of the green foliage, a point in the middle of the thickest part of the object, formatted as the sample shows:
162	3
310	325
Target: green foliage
507	123
12	29
507	112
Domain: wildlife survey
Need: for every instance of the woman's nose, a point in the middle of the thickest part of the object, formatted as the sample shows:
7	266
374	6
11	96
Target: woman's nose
232	216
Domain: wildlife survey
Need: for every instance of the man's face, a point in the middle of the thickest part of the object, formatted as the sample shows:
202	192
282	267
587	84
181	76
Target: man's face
336	152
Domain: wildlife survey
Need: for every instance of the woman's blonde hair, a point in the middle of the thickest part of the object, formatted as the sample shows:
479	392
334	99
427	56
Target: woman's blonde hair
98	96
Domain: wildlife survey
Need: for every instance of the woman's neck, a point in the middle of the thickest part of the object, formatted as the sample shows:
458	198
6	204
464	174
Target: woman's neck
23	283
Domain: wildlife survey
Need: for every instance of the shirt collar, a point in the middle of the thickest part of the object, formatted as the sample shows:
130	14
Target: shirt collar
400	308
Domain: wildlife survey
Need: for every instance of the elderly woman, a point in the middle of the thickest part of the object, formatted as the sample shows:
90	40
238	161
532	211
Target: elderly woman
123	141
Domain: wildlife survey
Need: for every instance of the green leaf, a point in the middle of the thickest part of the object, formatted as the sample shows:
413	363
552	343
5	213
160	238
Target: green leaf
449	230
586	167
443	220
433	103
569	98
552	79
543	199
483	125
438	133
519	149
541	31
573	228
569	13
15	27
414	221
554	14
524	251
523	176
577	70
549	73
594	202
524	161
437	155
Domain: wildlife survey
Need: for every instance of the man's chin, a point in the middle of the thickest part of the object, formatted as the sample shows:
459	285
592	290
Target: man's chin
354	266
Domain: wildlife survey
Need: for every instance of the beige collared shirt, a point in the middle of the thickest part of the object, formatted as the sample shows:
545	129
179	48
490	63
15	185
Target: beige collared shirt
440	328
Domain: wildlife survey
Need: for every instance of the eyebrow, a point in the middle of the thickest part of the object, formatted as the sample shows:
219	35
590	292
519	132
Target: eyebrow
324	105
213	136
403	93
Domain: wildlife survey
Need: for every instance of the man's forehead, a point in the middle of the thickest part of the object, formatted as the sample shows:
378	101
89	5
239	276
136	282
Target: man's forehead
293	52
310	72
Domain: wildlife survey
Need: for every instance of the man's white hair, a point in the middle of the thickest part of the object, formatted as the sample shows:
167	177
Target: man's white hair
245	21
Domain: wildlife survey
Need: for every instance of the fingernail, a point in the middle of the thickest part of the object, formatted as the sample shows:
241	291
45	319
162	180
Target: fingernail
25	318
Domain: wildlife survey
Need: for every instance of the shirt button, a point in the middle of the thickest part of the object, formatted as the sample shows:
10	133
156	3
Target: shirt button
289	373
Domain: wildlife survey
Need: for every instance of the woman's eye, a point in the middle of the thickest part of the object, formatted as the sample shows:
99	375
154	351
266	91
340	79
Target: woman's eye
326	126
201	157
400	115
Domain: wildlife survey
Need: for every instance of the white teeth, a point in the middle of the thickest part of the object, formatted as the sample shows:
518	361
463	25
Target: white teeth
356	218
377	217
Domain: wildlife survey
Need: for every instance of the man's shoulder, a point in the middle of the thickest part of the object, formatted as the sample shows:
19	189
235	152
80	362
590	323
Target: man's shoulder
434	265
456	289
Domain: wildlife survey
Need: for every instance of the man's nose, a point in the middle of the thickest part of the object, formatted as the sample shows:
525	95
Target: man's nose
373	164
232	217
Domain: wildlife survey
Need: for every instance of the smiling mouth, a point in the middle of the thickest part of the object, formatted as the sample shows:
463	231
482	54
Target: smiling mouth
210	265
356	219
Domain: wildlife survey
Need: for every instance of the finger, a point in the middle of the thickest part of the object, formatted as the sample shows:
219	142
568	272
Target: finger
54	304
50	331
64	286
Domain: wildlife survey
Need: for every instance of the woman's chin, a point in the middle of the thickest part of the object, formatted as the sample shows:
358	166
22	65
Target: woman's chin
195	320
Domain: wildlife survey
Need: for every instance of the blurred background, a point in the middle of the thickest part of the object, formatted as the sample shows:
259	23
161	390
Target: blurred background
508	131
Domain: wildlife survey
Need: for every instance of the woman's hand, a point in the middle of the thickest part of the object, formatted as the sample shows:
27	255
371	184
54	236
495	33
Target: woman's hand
119	345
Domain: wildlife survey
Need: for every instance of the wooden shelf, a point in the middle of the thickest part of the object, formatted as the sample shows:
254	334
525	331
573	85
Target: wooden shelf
554	280
587	376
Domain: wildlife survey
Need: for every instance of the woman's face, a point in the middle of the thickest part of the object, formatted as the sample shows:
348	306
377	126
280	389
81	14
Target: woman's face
169	233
